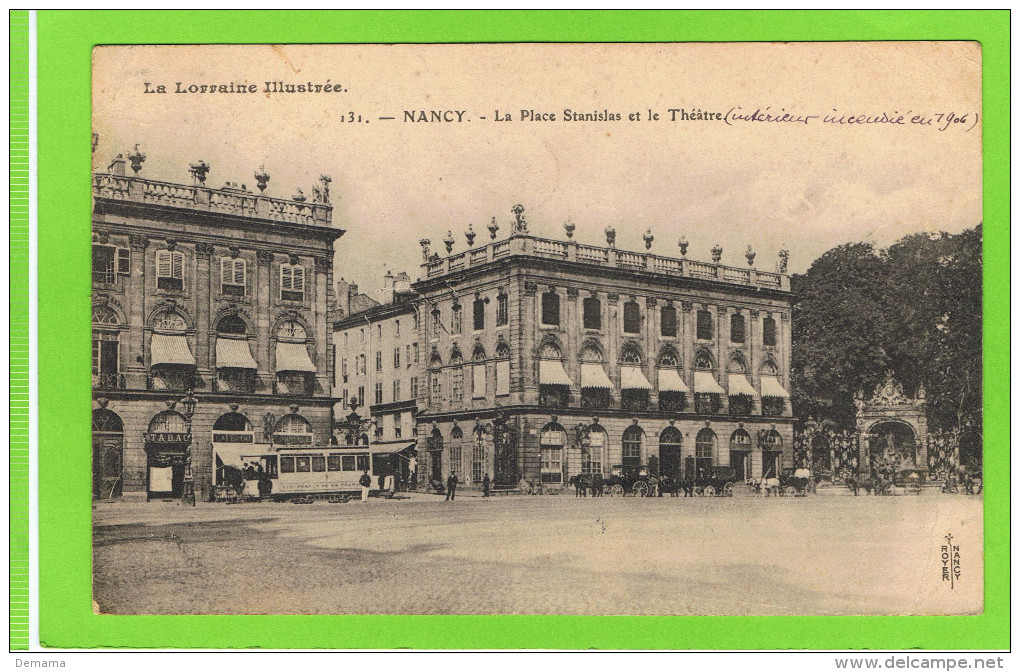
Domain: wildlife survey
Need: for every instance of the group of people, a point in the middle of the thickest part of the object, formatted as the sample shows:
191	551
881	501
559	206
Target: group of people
452	482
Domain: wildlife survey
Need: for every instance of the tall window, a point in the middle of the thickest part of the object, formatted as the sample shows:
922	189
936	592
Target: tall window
705	330
502	310
551	394
478	460
768	331
378	360
378	331
292	282
105	348
170	270
407	354
593	453
478	374
771	454
592	313
396	390
551	309
292	430
108	262
737	328
632	399
667	321
233	276
670	451
414	387
396	328
456	319
479	314
396	357
398	425
456	377
670	400
552	441
704	452
502	370
378	392
437	323
456	450
705	402
633	437
631	318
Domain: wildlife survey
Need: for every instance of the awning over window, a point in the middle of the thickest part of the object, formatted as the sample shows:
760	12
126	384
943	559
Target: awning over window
739	384
550	372
633	378
670	381
171	349
234	353
594	376
771	387
231	454
293	357
704	383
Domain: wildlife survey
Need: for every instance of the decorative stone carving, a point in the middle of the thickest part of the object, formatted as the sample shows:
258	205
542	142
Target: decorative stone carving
754	313
199	170
682	242
261	178
204	249
889	393
610	236
293	259
687	306
530	288
136	159
470	235
648	238
323	264
425	243
171	244
571	293
651	302
138	242
613	298
569	227
520	226
104	237
264	256
493	228
448	241
784	260
717	253
750	254
235	251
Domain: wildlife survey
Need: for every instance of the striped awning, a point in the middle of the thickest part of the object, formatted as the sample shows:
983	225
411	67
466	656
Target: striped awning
633	378
234	353
293	357
171	349
739	384
771	387
593	376
550	372
705	383
670	381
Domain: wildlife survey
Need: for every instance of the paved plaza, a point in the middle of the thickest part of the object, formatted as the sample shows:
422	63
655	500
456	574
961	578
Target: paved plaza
541	555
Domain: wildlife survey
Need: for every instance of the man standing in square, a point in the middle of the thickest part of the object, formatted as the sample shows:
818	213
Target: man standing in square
451	486
366	482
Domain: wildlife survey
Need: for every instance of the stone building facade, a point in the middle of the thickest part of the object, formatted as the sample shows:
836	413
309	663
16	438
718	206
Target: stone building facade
378	358
210	327
544	359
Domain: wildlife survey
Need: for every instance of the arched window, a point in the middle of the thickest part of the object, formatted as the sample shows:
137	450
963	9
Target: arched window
456	377
771	454
736	365
106	421
740	440
552	440
592	313
232	422
294	367
551	309
670	452
667	322
768	331
550	351
168	422
291	330
769	368
105	348
456	319
740	454
292	430
169	321
737	328
671	385
633	443
456	450
232	325
631	357
478	457
704	452
502	370
668	359
436	326
478	373
705	330
705	402
593	453
631	318
435	454
595	386
740	391
634	386
703	361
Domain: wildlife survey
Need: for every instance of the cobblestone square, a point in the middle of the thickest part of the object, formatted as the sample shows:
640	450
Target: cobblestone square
541	555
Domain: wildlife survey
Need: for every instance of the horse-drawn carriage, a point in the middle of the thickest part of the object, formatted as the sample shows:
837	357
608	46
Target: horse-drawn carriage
716	481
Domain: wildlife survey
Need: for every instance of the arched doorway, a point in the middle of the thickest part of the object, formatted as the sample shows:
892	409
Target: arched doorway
166	445
892	445
771	443
435	449
670	452
107	453
633	449
700	466
552	440
740	454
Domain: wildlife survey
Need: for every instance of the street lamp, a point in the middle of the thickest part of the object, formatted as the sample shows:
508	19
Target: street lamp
188	403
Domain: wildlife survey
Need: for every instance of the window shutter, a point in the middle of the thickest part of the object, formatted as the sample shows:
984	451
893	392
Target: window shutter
178	265
123	261
299	278
478	374
286	278
226	277
240	271
502	377
164	264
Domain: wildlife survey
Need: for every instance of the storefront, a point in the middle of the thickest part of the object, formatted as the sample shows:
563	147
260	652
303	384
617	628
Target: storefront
167	446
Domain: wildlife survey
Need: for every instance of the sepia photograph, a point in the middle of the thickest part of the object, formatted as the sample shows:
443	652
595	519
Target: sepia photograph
532	328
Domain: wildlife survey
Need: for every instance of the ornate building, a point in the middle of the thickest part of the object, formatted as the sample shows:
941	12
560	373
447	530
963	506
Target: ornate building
210	327
548	358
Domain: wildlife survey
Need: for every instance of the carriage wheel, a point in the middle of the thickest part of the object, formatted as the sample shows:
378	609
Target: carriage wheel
913	489
616	490
812	488
709	491
790	491
727	490
639	489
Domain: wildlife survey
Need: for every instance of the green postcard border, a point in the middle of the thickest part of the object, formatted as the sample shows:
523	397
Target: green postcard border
65	41
17	596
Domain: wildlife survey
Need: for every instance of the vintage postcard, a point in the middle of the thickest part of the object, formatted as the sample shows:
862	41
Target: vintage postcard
569	329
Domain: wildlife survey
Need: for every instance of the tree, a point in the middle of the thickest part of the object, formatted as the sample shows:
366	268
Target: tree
914	308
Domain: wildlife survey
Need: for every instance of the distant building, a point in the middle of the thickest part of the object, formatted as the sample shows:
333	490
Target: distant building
548	358
378	361
212	302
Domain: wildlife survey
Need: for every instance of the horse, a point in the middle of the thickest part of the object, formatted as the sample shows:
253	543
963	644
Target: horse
670	485
581	483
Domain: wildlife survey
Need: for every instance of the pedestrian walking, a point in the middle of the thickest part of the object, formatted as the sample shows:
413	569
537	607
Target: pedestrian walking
485	486
366	482
451	486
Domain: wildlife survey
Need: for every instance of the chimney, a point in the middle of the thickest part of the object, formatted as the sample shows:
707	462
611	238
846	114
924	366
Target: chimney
343	297
117	166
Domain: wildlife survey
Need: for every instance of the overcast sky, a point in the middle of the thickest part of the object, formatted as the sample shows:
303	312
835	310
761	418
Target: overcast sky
809	186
